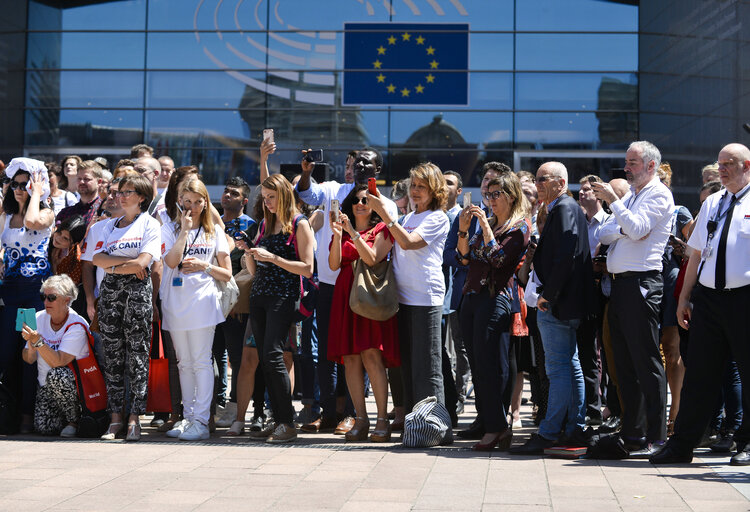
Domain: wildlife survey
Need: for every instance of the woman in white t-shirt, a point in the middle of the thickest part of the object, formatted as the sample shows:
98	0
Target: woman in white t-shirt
59	338
417	265
59	198
190	302
128	246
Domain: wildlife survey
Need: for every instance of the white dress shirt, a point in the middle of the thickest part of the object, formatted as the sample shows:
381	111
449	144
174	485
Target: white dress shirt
594	226
639	229
738	239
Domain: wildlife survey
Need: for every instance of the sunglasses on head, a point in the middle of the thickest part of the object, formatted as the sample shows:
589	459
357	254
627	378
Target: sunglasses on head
358	200
51	297
18	185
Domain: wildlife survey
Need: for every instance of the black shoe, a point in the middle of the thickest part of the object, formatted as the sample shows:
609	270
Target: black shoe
579	438
257	423
741	458
647	451
610	425
593	421
475	431
633	444
725	444
670	454
710	437
534	446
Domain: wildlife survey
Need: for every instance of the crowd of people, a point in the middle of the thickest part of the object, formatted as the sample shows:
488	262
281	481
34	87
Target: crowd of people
603	302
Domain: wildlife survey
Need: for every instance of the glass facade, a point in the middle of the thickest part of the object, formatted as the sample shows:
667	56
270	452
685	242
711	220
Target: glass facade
200	79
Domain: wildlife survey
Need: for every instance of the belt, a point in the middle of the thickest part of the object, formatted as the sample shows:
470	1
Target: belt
623	275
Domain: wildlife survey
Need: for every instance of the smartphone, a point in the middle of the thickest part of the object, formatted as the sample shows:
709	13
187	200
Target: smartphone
268	134
179	208
372	186
25	316
467	199
315	155
335	210
241	236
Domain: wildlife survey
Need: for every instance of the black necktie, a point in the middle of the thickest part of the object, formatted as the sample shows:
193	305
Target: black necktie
721	255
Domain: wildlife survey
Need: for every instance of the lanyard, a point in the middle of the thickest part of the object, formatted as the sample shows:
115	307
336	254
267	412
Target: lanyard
187	247
712	224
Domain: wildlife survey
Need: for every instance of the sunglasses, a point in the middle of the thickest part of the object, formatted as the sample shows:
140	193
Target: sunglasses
18	185
359	200
542	179
51	297
492	195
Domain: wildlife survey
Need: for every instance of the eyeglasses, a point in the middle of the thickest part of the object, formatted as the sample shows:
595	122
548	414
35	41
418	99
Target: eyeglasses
492	195
542	179
51	297
358	200
142	170
18	185
124	193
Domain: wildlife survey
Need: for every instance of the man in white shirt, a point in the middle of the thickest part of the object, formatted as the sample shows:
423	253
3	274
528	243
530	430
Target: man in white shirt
637	234
367	164
713	306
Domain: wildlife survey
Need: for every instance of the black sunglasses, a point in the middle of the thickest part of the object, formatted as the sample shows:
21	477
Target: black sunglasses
51	297
358	200
18	185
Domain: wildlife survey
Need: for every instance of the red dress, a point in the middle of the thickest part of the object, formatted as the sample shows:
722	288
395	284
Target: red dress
349	333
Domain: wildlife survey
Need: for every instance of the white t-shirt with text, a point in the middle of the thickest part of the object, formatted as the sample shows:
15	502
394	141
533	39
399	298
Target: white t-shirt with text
143	235
73	341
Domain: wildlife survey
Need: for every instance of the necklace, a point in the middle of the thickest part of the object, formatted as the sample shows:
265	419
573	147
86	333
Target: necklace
58	324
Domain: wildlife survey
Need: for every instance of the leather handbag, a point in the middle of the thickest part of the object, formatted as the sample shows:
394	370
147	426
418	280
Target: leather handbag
373	294
159	396
244	280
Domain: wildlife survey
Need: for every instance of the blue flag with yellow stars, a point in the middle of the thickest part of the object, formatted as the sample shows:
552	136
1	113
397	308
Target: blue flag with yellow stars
406	63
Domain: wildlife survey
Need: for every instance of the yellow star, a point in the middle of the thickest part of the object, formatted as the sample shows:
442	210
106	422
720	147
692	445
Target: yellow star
420	40
430	50
377	64
391	88
430	78
381	50
419	88
433	64
381	78
404	92
392	40
406	36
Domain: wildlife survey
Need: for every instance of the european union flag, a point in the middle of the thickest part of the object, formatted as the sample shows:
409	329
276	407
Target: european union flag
406	63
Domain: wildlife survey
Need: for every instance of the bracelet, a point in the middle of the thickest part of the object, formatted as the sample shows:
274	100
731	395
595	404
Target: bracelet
112	269
390	224
463	234
39	343
208	269
356	237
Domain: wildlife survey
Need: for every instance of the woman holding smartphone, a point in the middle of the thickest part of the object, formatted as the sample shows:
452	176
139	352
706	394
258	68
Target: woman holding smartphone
128	247
190	302
360	343
283	251
492	254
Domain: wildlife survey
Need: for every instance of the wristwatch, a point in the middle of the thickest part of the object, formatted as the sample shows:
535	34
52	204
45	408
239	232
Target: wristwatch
208	269
390	224
39	343
463	234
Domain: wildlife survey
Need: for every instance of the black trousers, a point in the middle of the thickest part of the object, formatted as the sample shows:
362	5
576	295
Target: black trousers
719	329
588	354
634	327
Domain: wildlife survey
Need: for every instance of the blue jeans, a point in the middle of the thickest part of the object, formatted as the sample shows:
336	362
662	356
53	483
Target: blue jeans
566	388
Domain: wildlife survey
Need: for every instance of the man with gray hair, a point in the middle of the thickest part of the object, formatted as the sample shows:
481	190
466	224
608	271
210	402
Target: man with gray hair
637	233
562	263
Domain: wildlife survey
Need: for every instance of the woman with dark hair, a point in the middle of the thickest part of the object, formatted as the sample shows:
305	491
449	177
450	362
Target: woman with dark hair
492	254
283	251
65	255
128	247
360	343
70	165
59	197
25	238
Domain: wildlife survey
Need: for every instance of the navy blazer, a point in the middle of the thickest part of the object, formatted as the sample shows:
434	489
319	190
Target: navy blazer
562	262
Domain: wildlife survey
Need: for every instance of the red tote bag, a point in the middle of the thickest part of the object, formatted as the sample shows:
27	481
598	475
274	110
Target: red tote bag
159	397
89	377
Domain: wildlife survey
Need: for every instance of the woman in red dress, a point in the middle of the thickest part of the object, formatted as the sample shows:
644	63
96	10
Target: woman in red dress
360	343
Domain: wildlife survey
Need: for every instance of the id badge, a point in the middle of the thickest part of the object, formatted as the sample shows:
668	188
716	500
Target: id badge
706	253
176	281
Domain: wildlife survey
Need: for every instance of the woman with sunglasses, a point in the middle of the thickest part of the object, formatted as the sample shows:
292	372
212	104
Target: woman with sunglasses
357	342
59	338
128	247
25	239
492	254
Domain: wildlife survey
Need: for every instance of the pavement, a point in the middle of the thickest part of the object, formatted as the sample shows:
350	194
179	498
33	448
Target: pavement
323	472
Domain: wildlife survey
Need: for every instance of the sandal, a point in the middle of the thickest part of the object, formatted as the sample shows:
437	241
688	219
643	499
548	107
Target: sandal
111	432
381	435
237	428
359	431
134	432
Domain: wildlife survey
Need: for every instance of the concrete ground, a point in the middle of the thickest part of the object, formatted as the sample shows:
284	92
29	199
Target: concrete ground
323	472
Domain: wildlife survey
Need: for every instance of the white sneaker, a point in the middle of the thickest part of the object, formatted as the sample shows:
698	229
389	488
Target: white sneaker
197	431
228	415
68	431
178	428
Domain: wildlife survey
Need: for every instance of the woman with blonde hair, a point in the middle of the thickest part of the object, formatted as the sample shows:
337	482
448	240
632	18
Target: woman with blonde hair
190	302
417	265
281	253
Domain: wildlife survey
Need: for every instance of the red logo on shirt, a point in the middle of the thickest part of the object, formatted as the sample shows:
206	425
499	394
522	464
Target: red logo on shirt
99	245
83	249
163	247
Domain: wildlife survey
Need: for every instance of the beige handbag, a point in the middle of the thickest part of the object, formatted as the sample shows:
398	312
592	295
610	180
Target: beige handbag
374	293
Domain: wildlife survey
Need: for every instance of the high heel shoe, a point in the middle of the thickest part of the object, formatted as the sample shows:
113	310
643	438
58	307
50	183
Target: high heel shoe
134	432
359	431
383	435
502	440
111	432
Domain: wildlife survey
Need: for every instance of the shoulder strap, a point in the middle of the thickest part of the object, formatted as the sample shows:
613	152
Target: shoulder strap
88	334
293	236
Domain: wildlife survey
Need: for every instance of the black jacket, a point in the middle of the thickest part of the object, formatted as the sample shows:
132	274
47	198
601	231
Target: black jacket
562	262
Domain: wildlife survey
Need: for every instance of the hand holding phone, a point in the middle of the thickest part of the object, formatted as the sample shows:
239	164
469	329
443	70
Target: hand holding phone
268	134
467	199
335	210
372	186
25	316
314	155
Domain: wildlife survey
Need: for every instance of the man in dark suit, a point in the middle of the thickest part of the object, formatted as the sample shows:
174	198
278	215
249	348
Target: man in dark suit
562	263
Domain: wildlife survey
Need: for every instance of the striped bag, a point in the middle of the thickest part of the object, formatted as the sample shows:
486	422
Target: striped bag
428	424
